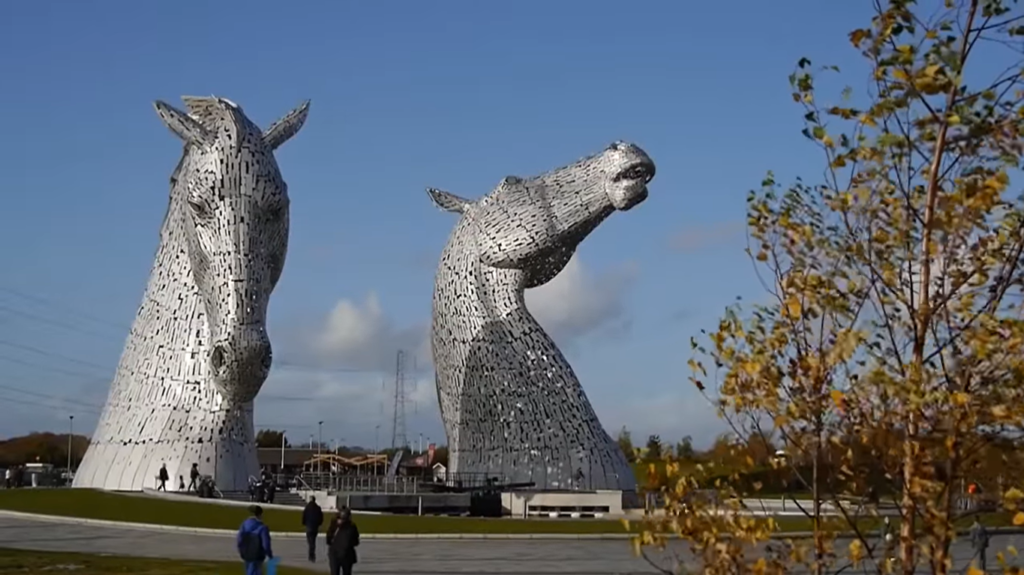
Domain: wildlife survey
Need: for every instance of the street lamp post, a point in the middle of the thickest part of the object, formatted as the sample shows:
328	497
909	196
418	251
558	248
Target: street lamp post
319	444
71	435
281	471
420	450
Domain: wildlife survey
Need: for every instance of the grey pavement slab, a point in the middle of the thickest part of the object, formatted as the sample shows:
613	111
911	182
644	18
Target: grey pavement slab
405	557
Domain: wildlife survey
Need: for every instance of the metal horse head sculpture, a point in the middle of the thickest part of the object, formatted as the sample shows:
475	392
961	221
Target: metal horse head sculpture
536	224
511	404
229	194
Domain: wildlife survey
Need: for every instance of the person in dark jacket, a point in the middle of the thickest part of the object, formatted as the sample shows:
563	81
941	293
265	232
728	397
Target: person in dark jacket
163	477
253	542
342	540
193	475
312	520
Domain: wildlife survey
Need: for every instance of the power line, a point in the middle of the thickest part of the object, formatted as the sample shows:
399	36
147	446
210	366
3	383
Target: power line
51	354
65	307
46	405
51	397
302	367
53	322
54	369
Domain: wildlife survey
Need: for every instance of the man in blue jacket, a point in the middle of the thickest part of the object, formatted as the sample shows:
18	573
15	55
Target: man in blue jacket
254	542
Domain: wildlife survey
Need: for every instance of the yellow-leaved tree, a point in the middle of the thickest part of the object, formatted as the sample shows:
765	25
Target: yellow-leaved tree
887	361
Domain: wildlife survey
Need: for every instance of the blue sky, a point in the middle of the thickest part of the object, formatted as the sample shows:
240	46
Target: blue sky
453	93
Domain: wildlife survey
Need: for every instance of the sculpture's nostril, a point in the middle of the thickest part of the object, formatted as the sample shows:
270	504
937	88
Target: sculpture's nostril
217	357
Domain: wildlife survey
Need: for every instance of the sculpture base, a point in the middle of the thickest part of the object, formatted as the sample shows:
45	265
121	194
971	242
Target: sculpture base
594	469
118	462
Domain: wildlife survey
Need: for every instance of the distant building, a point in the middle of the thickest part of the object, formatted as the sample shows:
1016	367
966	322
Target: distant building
270	459
440	472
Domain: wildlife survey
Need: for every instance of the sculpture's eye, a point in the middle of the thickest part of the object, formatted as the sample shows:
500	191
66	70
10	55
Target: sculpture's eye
199	208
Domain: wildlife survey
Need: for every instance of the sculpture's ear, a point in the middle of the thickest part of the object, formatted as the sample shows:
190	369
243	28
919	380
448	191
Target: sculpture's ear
282	130
448	201
183	126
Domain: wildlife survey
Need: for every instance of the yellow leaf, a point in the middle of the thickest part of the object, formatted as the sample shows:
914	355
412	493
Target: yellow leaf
1018	519
953	120
960	399
837	398
856	551
973	570
1000	411
827	140
793	307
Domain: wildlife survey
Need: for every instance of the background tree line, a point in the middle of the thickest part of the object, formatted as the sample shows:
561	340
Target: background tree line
42	447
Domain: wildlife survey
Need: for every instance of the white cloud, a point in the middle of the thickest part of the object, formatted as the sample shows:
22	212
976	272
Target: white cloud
578	302
574	304
362	336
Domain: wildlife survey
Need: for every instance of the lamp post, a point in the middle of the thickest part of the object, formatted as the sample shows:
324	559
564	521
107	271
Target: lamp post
420	449
71	435
319	444
281	471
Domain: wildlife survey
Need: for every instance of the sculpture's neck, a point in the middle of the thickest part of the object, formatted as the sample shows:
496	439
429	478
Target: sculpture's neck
171	309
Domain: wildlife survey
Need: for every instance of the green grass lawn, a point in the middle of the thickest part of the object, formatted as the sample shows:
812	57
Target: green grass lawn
38	562
137	509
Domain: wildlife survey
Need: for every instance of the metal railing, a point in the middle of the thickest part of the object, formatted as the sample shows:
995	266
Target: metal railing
361	483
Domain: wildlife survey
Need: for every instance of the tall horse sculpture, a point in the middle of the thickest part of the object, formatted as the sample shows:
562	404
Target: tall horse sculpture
198	352
512	407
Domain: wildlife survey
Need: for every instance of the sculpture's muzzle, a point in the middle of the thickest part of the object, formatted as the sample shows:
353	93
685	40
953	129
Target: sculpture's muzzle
241	363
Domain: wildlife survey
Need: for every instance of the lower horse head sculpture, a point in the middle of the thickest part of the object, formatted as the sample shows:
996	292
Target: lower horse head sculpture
512	406
198	352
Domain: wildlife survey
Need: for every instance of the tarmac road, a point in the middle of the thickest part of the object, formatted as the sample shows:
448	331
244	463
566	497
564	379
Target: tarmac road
398	557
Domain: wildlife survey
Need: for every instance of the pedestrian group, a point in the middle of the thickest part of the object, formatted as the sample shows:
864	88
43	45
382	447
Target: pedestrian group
254	541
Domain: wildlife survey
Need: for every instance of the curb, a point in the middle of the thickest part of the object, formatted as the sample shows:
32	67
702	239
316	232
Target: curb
411	536
297	535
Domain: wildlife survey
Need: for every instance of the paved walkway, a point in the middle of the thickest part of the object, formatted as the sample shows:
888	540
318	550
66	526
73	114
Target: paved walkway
398	557
404	557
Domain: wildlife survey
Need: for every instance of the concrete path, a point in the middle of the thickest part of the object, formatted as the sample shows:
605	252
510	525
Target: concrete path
398	557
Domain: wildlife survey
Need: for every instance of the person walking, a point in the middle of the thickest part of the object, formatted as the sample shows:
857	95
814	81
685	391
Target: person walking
342	540
312	520
979	540
193	485
163	477
253	542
